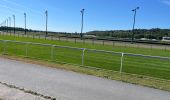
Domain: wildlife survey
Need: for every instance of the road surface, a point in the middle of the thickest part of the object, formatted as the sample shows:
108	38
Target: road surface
67	85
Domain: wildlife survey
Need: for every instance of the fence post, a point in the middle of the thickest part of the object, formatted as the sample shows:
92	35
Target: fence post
113	44
51	37
4	47
33	36
92	41
45	37
121	63
59	38
84	41
67	39
75	40
165	47
125	44
14	35
83	56
26	49
151	47
52	52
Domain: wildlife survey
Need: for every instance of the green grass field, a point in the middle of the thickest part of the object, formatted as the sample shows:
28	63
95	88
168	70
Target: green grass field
131	64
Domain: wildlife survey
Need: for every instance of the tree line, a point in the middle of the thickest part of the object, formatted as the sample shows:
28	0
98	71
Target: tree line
155	33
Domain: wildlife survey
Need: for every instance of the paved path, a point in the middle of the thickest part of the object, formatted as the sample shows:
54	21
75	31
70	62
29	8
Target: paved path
66	85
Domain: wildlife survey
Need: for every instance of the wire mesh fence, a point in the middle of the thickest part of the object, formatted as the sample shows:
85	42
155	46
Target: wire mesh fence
152	66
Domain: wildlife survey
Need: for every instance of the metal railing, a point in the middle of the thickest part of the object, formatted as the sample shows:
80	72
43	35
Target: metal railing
147	65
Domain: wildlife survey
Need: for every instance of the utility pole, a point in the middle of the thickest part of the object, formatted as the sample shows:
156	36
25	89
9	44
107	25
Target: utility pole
14	23
134	22
25	17
82	23
46	14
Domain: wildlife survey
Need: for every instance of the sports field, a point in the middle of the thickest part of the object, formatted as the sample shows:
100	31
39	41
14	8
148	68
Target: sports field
153	67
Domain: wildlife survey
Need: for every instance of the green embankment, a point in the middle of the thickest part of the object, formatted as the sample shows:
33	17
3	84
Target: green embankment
131	64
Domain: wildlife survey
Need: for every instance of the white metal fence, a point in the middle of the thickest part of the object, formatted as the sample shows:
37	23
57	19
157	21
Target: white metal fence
153	66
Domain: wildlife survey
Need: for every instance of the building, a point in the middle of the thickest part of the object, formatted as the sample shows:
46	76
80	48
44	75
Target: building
165	38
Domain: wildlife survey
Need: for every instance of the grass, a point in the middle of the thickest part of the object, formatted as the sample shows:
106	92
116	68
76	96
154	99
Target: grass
145	51
151	67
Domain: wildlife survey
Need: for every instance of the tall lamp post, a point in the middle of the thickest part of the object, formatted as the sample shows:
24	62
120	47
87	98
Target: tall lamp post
46	14
10	24
82	23
4	26
134	22
14	23
25	17
7	25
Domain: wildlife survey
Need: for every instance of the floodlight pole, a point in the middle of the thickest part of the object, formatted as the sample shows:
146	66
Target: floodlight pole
14	23
82	23
25	17
4	26
134	22
7	25
4	22
10	24
46	14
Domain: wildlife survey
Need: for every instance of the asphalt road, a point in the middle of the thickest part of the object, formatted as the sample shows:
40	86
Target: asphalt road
67	85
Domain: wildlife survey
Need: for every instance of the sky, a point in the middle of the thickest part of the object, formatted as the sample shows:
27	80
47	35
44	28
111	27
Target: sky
65	16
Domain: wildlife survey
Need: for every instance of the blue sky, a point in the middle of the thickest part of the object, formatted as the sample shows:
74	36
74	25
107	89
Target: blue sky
65	16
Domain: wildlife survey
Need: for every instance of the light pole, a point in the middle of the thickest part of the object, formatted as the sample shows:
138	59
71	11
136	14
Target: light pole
10	24
46	14
7	25
4	26
134	22
14	23
82	23
25	17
